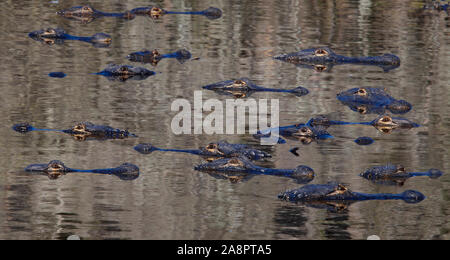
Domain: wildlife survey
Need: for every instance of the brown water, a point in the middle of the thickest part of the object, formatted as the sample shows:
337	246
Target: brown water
172	201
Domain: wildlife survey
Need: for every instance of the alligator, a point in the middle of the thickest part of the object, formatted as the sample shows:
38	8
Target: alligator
154	57
221	149
323	59
81	131
87	14
55	169
305	133
237	168
385	123
332	192
154	12
395	174
53	36
372	100
123	73
244	87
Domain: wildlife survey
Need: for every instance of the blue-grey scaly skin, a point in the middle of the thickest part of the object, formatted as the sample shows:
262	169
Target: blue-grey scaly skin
55	169
241	165
324	58
395	174
154	57
367	100
244	87
52	36
338	192
211	151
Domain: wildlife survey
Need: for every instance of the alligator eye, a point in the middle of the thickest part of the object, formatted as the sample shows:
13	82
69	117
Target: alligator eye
305	130
211	146
86	8
385	120
400	168
341	187
239	82
320	52
361	92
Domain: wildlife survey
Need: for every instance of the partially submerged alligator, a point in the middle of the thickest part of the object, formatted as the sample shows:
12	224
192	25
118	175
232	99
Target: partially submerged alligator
221	149
305	133
395	174
52	36
384	123
81	131
125	72
237	168
87	14
154	12
372	100
55	169
334	192
154	57
323	59
244	87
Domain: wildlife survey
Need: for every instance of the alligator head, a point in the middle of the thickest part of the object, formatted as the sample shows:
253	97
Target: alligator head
125	72
387	124
306	134
323	59
317	192
239	88
54	169
226	164
49	36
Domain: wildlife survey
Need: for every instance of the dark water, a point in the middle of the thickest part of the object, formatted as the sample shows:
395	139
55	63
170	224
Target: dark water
172	201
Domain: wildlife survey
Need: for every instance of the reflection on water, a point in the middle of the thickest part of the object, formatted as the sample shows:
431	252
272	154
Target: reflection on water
170	200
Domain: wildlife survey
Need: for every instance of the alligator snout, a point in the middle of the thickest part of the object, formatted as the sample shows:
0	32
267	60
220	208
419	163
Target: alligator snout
411	196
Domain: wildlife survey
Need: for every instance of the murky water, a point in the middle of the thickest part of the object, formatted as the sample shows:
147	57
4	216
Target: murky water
172	201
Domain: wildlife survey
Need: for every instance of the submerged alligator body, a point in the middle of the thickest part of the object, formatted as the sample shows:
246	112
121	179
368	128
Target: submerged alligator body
221	149
81	131
123	73
323	59
55	169
52	36
338	196
87	14
395	174
244	87
154	57
238	168
385	123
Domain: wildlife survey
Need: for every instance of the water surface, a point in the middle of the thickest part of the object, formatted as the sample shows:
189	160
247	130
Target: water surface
172	201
